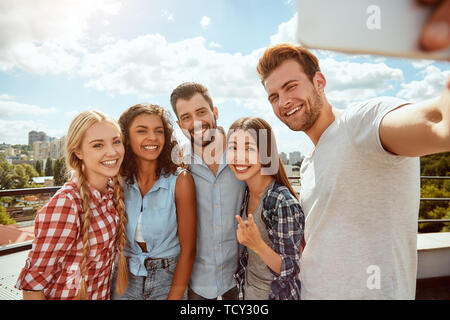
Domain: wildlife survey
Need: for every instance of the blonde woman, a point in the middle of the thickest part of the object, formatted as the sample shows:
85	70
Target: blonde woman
81	231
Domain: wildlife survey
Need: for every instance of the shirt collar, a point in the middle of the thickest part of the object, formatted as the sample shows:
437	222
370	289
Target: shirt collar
96	193
162	182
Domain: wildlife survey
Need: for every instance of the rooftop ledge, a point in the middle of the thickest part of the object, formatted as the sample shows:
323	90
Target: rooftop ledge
433	267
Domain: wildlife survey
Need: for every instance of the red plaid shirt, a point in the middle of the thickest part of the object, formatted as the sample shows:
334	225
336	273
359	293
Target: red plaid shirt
53	264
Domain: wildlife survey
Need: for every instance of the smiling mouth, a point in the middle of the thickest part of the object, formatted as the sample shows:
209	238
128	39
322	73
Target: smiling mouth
109	163
241	168
150	148
290	113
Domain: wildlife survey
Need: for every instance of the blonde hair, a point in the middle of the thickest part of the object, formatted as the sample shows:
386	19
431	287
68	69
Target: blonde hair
77	129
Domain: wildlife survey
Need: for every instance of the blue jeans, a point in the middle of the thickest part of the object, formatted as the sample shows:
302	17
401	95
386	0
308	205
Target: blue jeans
155	286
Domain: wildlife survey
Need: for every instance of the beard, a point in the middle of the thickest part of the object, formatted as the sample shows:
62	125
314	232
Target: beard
208	137
313	106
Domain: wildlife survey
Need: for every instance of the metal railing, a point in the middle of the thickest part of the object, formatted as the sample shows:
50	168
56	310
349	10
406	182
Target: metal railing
434	199
421	199
23	192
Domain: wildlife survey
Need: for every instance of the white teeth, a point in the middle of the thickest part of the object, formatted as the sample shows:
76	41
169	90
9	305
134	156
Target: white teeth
110	163
241	168
292	111
150	147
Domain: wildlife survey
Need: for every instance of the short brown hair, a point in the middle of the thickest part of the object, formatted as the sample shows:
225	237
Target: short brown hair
274	56
186	91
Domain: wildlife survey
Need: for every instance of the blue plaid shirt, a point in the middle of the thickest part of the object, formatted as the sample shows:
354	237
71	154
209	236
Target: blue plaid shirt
284	220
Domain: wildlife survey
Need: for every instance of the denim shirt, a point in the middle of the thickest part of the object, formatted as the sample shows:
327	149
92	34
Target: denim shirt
159	222
219	199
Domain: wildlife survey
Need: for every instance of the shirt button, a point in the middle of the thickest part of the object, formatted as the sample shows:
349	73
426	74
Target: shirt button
220	268
215	184
217	227
217	206
218	248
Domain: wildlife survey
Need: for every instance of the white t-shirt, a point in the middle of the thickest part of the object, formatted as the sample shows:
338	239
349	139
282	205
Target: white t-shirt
361	205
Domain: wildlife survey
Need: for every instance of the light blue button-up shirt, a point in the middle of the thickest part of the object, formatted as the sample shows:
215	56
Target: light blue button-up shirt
219	199
159	222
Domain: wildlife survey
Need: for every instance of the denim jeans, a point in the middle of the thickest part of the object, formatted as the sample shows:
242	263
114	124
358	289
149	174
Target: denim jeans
155	286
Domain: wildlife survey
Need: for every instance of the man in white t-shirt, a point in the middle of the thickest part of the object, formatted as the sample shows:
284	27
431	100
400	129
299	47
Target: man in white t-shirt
360	184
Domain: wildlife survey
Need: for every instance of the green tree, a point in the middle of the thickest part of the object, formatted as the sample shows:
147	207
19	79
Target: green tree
4	217
20	177
38	167
49	167
23	176
31	172
6	175
60	174
435	165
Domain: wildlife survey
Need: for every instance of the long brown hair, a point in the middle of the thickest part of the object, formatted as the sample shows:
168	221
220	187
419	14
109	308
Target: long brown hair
263	135
165	162
77	129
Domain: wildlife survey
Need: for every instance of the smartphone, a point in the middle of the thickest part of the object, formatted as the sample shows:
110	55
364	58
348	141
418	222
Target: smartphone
381	27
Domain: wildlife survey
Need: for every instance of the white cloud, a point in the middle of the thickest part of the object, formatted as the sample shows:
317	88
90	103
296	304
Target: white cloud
213	44
166	14
16	131
287	32
10	109
419	64
46	36
205	21
149	65
355	81
431	86
5	96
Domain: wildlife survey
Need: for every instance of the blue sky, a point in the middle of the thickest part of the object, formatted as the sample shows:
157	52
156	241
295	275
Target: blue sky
61	57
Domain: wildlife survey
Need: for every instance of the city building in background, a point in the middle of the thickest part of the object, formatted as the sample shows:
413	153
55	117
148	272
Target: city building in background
284	158
295	157
45	149
35	136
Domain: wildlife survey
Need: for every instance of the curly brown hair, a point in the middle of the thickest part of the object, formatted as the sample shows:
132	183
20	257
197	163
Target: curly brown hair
165	163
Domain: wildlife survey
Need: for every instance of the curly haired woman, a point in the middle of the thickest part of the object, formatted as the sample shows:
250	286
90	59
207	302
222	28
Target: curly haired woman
160	205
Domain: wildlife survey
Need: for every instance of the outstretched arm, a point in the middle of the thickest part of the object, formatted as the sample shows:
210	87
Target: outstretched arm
418	129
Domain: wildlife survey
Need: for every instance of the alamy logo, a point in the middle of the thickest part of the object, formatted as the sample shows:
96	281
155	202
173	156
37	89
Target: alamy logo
373	22
236	150
374	279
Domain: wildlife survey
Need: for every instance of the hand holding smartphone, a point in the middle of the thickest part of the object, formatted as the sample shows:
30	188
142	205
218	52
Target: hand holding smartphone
383	27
